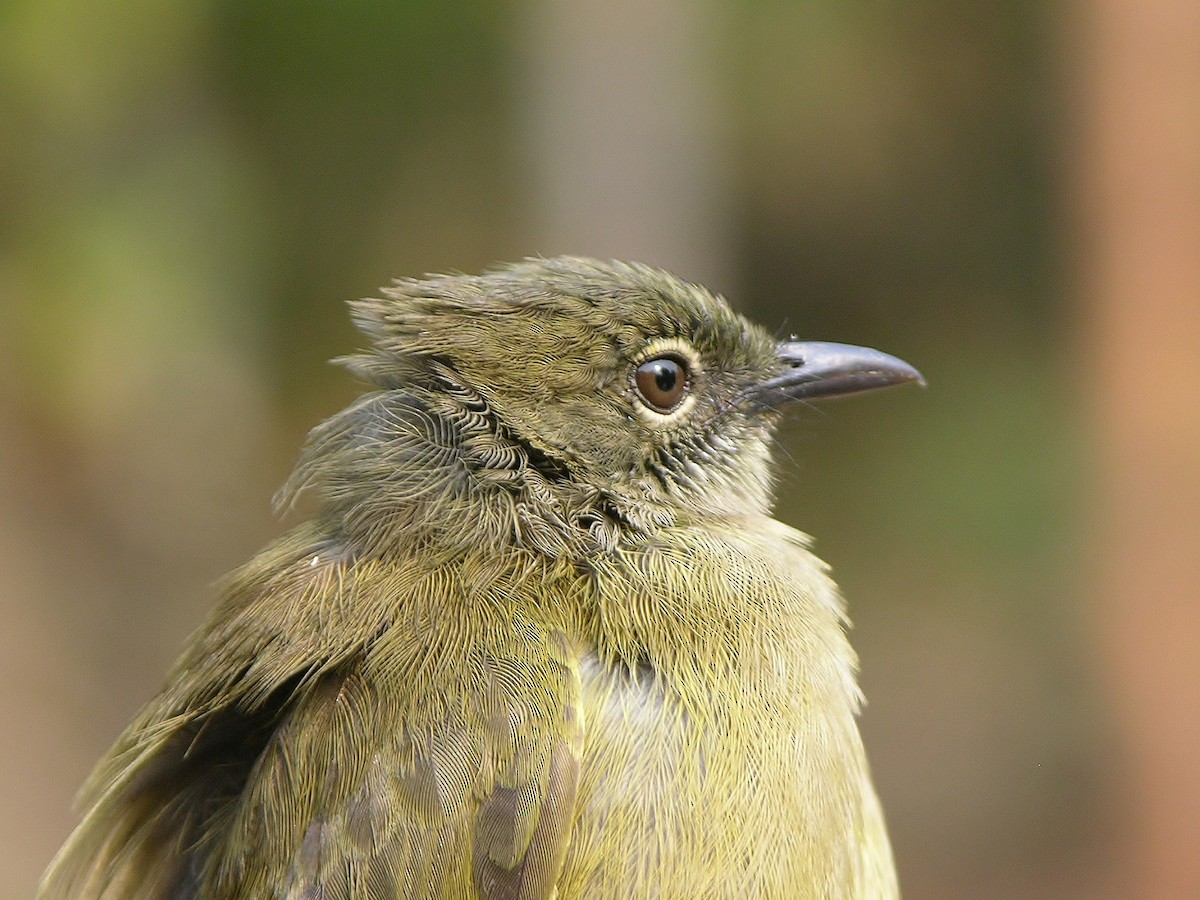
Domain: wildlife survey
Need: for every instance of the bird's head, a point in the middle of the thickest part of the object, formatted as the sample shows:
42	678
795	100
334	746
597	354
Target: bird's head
585	395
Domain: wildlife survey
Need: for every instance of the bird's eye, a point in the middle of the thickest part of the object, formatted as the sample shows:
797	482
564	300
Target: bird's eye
662	382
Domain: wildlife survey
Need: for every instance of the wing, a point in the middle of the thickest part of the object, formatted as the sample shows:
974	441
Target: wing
346	802
422	762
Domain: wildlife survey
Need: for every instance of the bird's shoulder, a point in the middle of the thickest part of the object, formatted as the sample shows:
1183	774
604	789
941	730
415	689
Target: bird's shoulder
397	729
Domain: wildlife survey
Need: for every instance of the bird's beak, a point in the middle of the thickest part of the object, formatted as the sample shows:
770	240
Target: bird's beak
815	370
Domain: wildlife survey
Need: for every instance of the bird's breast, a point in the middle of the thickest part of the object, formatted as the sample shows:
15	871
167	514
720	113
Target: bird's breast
683	801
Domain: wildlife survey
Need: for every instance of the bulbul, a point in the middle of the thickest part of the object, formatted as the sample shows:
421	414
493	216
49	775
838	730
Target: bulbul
542	639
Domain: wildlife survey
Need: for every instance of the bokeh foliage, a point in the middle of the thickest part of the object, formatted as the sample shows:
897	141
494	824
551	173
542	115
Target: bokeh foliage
188	190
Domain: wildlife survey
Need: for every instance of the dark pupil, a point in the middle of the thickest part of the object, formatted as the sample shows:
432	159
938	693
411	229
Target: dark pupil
661	382
665	376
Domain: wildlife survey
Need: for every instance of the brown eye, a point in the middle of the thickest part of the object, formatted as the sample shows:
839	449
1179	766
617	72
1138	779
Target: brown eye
662	382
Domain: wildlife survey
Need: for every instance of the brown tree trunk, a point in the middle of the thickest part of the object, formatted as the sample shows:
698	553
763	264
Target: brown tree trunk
623	133
1139	75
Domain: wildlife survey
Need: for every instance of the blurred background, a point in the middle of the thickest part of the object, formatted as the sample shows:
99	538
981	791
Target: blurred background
1005	194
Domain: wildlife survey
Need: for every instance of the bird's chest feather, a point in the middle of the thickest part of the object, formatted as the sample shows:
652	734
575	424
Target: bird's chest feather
679	802
729	763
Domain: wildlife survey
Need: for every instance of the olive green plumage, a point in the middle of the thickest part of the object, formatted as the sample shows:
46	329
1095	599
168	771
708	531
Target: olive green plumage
543	638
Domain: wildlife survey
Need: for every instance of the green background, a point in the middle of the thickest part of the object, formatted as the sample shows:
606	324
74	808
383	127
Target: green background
188	192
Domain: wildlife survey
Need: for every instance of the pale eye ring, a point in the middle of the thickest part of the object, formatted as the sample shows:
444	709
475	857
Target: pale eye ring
662	382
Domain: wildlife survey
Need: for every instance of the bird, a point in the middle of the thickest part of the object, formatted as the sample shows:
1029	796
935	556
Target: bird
541	637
